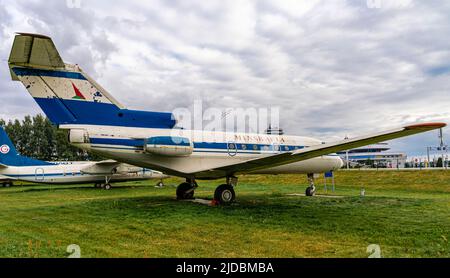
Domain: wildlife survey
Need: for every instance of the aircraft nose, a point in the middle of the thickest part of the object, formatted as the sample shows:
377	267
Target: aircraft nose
339	163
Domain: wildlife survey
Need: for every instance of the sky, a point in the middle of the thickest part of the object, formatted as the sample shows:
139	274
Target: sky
333	68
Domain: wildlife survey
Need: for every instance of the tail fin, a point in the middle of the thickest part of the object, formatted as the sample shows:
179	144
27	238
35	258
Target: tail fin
6	146
9	155
66	94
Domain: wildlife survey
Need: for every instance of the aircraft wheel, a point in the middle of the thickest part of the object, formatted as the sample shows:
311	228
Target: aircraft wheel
310	192
7	184
160	184
225	194
107	186
185	191
97	185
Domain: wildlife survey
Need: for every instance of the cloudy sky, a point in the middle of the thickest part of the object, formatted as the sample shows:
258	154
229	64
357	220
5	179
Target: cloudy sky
334	68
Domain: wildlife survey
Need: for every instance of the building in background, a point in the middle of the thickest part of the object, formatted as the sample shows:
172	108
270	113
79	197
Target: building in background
377	156
274	130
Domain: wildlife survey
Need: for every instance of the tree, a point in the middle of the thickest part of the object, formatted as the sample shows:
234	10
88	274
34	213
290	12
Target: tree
439	162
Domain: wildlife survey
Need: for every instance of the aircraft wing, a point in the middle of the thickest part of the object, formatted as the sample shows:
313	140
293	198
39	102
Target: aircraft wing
3	166
5	178
319	150
105	167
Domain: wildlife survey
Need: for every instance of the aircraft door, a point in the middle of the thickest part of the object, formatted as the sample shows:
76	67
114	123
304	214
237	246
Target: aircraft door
39	174
232	148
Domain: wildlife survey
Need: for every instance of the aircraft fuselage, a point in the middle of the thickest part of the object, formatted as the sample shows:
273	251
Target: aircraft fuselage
70	173
209	150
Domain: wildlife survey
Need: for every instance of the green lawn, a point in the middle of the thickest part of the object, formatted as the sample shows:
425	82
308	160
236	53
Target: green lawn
406	213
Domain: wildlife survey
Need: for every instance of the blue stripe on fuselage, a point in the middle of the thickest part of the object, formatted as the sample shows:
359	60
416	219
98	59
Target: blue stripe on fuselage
119	142
49	73
46	175
201	146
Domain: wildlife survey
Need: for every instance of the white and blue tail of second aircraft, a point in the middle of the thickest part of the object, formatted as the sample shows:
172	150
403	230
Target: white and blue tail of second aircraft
66	94
10	157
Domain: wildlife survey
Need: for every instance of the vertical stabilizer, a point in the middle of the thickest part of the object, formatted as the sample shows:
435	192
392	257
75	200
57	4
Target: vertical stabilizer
9	155
66	94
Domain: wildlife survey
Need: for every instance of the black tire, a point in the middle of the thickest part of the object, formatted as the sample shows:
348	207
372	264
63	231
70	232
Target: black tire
225	194
97	185
8	184
185	191
107	187
310	192
160	184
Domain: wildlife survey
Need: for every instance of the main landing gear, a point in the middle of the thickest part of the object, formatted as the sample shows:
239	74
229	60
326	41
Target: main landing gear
311	190
106	185
223	195
185	191
7	184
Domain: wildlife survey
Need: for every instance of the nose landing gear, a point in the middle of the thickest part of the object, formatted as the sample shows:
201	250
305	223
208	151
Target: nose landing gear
160	184
7	184
311	190
106	185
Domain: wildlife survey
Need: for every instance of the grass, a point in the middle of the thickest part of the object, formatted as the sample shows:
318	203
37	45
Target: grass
406	213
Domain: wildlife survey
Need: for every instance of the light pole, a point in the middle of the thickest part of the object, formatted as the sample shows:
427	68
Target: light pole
346	159
442	147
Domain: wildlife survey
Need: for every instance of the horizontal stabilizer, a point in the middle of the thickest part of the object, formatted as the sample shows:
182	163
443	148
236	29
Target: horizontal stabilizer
34	51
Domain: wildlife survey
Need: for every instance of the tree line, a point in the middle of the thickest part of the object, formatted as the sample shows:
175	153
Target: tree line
36	137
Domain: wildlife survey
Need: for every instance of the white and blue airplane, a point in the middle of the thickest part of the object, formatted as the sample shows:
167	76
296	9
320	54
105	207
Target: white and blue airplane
15	167
99	123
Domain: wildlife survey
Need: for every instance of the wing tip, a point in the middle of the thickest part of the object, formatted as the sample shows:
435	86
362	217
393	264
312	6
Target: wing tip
426	126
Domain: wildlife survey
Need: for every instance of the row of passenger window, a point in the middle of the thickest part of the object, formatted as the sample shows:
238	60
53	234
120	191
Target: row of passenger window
244	147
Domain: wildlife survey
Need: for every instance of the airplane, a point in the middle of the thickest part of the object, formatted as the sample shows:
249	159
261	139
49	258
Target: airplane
15	167
98	123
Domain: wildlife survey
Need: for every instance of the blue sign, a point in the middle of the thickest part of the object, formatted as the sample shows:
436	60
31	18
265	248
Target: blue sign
329	174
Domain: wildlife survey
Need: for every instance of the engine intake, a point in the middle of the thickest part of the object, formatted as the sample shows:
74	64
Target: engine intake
78	136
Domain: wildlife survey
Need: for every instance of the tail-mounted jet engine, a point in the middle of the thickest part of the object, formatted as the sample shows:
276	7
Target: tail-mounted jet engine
169	146
78	136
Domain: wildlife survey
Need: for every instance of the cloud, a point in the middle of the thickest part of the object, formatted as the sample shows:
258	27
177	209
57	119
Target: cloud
334	68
